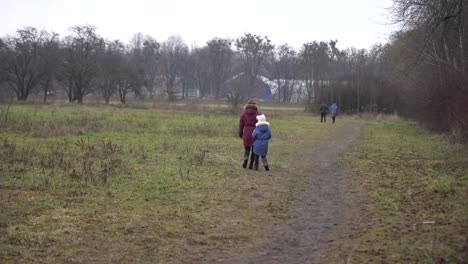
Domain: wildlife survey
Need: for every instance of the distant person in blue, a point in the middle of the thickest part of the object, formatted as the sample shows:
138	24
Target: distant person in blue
261	135
323	112
333	112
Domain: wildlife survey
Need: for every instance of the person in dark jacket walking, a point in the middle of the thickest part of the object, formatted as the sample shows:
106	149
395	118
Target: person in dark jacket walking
261	135
246	127
323	112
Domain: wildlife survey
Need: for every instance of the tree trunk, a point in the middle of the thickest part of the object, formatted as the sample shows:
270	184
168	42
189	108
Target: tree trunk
217	92
106	99
46	90
123	95
78	97
358	95
22	94
279	90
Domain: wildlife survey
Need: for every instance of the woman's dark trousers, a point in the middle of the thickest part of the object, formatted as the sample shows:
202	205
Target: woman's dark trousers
248	152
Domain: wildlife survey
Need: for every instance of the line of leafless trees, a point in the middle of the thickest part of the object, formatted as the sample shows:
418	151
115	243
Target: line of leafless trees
33	61
421	72
427	62
83	62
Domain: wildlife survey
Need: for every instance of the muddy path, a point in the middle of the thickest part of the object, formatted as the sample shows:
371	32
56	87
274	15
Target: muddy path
318	212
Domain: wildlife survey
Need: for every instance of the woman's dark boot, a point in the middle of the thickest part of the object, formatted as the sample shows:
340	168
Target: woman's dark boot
267	168
244	164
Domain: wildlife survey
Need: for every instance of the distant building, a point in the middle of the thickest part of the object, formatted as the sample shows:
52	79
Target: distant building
261	90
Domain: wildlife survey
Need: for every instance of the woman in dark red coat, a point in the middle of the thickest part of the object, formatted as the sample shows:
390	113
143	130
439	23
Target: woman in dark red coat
246	127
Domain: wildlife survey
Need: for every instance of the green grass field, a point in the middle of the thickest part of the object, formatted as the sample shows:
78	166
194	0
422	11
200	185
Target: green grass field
412	190
81	184
108	184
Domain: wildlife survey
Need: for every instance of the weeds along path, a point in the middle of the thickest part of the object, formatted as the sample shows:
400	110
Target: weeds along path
320	209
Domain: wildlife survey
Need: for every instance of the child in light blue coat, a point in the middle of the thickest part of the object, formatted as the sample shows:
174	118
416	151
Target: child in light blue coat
333	112
261	135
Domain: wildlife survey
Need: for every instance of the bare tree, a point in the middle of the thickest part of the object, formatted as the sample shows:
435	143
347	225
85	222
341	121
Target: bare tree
284	71
137	61
357	64
434	41
80	66
173	51
253	50
315	57
220	58
202	72
129	78
23	70
50	55
151	56
110	69
4	91
334	70
187	72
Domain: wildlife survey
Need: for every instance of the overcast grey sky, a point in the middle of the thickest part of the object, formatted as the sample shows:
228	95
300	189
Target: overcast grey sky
358	23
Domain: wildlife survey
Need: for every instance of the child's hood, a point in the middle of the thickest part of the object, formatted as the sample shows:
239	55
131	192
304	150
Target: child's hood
262	126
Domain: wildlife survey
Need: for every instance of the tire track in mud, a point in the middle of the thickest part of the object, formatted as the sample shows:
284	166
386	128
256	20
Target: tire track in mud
319	210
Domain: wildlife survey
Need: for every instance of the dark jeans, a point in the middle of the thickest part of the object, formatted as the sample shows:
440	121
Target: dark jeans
323	117
249	152
333	119
264	160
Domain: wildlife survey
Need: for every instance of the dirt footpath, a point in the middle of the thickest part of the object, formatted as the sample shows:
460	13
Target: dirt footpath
319	210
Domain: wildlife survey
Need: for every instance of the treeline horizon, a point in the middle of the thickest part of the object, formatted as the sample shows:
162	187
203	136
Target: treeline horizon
420	73
224	61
